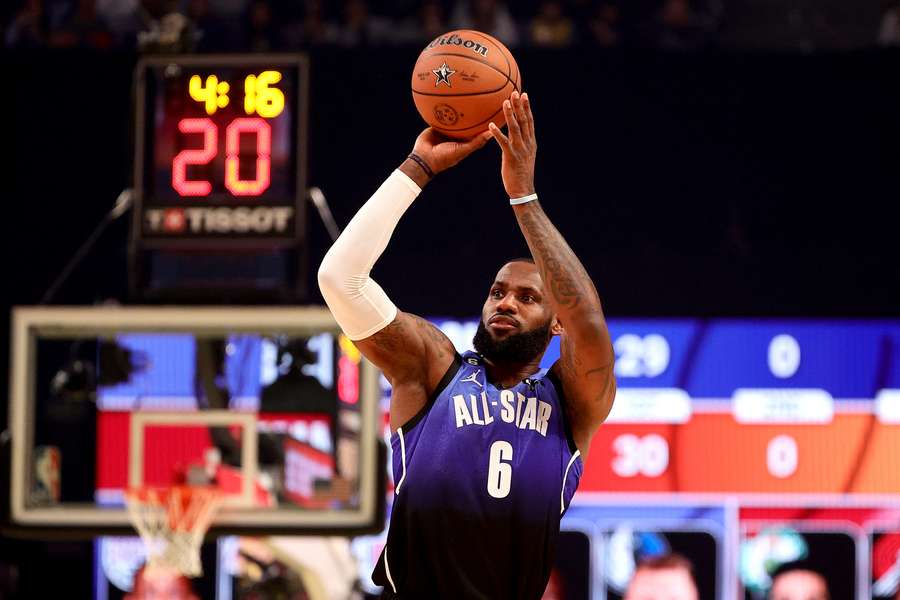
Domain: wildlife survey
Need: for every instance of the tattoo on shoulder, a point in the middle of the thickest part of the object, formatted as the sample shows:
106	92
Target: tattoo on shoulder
442	343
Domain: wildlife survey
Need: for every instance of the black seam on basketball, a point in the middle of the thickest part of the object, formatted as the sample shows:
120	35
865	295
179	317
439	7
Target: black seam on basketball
496	42
476	60
500	110
467	94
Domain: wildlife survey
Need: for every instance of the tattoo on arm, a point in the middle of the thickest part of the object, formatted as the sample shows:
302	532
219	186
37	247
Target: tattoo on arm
395	338
390	339
560	268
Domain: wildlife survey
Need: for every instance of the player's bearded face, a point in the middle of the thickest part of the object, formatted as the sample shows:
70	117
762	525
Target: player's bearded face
519	347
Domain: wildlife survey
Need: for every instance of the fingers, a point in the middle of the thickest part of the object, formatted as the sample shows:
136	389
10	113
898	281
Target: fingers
528	119
512	122
502	140
518	105
521	122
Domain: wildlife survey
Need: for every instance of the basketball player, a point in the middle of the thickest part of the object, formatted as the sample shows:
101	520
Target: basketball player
487	447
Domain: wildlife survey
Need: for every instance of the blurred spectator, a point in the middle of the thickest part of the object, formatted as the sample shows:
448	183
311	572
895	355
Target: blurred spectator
230	8
667	577
262	34
798	581
551	26
426	23
162	28
604	25
889	34
29	27
121	16
312	29
489	16
360	27
82	29
677	26
432	20
213	33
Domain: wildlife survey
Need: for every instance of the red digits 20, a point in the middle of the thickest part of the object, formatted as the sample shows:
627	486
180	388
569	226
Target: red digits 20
233	181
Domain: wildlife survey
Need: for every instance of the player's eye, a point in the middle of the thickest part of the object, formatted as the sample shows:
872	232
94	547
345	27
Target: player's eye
527	299
496	294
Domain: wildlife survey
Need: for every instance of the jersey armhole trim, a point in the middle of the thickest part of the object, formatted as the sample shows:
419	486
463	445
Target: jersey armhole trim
387	570
554	379
562	493
440	387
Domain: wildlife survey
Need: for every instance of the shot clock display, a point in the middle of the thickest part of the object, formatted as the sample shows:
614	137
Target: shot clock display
220	148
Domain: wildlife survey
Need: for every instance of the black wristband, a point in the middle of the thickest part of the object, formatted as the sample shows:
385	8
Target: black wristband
421	162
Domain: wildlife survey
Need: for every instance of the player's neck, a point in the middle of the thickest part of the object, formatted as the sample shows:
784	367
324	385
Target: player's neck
506	375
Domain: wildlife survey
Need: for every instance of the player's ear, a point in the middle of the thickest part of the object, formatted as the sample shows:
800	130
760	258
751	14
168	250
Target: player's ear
556	327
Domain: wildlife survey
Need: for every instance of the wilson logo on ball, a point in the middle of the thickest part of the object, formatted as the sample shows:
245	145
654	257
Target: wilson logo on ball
455	40
443	75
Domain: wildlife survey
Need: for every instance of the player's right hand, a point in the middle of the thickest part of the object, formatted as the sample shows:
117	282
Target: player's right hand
441	152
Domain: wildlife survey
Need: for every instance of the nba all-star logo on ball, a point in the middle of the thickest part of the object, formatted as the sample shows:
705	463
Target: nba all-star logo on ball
456	40
443	75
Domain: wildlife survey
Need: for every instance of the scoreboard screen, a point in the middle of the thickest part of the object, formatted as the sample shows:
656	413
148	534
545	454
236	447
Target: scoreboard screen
726	409
220	147
738	447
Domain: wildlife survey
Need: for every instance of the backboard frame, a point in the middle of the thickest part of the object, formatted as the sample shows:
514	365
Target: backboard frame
88	520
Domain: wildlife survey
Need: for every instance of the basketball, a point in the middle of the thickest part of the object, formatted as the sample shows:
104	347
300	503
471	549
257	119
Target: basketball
460	81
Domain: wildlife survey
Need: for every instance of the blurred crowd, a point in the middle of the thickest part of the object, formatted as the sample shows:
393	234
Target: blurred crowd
285	25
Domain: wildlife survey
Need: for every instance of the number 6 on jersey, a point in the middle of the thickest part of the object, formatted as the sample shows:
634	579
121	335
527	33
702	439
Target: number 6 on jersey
499	472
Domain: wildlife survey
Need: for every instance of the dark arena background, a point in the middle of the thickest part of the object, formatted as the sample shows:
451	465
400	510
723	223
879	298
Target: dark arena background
727	171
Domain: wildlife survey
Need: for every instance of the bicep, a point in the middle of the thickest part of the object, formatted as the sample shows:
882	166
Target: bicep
409	350
585	369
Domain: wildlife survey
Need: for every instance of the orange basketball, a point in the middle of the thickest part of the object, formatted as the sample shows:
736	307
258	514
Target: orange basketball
460	81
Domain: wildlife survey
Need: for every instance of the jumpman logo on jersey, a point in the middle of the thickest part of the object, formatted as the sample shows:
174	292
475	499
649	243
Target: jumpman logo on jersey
472	378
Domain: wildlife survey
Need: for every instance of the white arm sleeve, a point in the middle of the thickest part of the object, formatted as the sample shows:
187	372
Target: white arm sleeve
358	304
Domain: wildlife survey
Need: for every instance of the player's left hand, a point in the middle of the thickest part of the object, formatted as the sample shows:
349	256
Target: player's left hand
519	146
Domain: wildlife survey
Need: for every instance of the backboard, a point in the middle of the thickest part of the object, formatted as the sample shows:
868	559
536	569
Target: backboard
272	405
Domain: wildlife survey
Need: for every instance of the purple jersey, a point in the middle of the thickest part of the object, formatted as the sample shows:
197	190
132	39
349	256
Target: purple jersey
483	476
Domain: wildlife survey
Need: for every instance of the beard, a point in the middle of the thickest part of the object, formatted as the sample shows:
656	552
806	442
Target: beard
514	348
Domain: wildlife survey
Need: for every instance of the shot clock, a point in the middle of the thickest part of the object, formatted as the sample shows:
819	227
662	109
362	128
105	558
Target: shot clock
219	176
220	149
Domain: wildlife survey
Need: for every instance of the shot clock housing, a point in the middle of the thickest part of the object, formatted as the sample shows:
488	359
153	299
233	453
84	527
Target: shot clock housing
220	178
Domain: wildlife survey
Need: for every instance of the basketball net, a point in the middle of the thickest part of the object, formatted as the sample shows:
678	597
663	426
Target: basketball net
172	523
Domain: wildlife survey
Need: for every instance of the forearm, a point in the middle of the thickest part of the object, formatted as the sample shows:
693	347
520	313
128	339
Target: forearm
572	292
